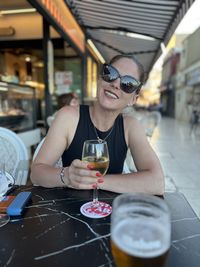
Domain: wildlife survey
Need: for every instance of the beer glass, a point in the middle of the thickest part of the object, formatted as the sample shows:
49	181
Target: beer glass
140	231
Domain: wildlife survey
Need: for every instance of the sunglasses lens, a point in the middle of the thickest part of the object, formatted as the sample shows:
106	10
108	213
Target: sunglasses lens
129	84
109	74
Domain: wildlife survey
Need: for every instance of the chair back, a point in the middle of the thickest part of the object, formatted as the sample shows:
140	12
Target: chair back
150	122
14	154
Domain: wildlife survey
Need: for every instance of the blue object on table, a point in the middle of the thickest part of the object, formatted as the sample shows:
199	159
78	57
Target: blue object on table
18	204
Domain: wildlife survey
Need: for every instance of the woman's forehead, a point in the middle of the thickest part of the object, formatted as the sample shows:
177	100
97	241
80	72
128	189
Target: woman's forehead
126	66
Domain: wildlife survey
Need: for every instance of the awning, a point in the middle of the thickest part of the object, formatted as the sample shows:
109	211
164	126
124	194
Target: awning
111	25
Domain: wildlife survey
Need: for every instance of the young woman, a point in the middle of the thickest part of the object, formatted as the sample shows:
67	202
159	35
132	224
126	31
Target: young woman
118	86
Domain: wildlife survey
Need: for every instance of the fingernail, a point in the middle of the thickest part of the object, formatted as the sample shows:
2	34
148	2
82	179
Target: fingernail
100	180
94	186
98	174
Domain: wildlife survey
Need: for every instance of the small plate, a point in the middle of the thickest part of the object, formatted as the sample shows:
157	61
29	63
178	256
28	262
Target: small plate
101	211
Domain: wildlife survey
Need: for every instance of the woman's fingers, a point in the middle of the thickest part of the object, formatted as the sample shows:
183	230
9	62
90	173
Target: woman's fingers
82	177
84	186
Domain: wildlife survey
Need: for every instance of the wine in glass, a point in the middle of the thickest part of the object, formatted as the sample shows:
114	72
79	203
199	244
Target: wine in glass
97	155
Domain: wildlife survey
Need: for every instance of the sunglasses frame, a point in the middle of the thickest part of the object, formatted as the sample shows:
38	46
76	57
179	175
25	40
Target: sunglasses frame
128	91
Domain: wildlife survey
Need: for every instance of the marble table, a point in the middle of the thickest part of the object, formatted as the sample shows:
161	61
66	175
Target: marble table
53	232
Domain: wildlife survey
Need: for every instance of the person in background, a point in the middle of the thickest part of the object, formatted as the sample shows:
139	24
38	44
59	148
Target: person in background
68	99
118	86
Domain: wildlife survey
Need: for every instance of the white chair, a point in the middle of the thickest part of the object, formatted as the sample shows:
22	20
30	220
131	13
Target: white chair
14	154
150	122
129	165
58	163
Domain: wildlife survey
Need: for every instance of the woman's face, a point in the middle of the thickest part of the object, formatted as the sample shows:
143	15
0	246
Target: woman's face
110	95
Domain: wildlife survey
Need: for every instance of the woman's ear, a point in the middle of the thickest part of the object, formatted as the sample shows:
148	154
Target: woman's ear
133	100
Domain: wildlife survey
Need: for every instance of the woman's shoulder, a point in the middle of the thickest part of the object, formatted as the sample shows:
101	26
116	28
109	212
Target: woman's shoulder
131	121
68	112
133	127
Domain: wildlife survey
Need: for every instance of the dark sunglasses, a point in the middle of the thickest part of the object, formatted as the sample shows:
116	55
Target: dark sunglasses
128	84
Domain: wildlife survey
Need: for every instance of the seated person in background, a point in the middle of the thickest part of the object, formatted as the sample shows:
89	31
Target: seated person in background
118	86
68	99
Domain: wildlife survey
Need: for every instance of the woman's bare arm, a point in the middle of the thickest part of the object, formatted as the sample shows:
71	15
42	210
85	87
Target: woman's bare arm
78	174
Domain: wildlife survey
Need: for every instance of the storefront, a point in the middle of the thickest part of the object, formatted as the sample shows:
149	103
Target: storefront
193	81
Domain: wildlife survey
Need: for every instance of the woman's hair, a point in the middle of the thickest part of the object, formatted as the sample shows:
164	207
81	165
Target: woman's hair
142	73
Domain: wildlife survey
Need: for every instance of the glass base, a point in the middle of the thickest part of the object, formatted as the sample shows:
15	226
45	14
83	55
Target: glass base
4	219
97	210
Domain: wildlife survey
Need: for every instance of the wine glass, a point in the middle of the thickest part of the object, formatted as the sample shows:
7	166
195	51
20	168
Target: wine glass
96	153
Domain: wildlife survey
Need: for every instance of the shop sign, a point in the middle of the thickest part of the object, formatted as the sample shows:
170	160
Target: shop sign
62	89
193	77
60	13
63	77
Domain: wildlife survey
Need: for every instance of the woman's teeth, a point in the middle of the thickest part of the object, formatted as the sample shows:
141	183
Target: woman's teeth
111	94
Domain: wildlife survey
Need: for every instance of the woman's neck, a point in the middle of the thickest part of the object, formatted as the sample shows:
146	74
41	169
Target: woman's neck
102	119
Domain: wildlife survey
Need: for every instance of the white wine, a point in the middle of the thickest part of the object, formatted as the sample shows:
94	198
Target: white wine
100	164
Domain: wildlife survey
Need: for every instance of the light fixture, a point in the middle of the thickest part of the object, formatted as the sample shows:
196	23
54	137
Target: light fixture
131	34
17	11
139	36
27	58
91	44
163	47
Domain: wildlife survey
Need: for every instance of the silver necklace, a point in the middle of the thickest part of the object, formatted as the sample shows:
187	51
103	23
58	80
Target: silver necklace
98	138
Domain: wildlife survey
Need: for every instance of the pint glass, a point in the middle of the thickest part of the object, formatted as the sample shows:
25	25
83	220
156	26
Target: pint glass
140	231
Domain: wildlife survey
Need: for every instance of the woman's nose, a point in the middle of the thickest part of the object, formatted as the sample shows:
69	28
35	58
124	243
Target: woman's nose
116	84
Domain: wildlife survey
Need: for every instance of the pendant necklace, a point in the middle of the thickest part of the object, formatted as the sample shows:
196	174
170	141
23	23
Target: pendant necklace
100	140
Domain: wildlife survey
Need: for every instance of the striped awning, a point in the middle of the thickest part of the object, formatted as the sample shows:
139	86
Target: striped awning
112	25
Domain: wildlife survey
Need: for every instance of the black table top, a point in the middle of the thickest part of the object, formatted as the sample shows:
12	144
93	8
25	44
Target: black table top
53	232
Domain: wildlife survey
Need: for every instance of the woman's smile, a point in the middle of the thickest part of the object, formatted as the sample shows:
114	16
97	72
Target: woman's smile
111	94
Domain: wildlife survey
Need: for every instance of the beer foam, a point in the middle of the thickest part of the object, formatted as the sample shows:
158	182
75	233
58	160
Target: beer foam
142	244
141	238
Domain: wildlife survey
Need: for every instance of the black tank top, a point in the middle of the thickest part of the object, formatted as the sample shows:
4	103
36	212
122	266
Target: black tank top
85	131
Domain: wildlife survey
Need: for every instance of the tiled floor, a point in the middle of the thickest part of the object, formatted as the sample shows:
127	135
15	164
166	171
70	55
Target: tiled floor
179	153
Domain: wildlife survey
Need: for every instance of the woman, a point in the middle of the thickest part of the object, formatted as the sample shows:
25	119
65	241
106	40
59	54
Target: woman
118	87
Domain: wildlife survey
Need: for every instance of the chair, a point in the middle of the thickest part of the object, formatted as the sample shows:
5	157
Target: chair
150	122
129	165
58	163
14	154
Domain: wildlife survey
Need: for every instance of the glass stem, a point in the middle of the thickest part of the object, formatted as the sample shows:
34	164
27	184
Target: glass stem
95	195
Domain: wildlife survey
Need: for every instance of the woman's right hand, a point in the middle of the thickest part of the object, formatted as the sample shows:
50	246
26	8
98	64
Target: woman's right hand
79	175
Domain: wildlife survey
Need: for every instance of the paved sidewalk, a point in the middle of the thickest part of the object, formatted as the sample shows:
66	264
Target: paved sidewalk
179	153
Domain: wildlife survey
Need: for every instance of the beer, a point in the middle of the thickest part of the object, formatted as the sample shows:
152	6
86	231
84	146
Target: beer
99	164
140	230
139	243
